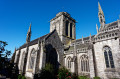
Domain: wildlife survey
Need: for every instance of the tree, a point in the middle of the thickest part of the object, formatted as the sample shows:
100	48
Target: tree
4	54
2	47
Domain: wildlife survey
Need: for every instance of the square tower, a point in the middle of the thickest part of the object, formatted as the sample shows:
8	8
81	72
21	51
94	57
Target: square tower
65	26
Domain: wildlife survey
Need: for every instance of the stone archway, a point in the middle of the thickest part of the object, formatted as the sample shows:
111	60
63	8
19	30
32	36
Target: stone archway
52	57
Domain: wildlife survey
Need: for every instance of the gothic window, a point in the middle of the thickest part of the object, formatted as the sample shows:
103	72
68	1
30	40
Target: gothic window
22	60
66	29
84	63
32	59
108	57
71	30
69	62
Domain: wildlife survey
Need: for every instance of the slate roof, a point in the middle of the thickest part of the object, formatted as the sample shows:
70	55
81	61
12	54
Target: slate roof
111	24
33	41
86	38
36	40
81	45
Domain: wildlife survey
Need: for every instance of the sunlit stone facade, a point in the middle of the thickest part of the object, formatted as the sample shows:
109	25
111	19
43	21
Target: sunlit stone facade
96	55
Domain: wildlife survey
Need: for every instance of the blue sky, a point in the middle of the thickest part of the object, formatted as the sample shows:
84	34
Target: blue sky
16	15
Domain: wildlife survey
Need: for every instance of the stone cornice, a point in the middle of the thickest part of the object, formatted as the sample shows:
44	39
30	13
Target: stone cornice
63	13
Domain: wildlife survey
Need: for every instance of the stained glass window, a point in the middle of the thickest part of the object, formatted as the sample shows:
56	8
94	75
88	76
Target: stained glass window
32	59
69	62
22	60
108	57
84	63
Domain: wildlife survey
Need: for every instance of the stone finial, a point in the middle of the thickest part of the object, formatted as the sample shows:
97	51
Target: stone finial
28	34
29	28
38	43
101	17
119	23
82	40
100	9
90	37
97	28
75	52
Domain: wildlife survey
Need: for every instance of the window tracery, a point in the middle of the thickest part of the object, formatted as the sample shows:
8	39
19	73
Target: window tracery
22	60
108	57
69	62
32	59
84	63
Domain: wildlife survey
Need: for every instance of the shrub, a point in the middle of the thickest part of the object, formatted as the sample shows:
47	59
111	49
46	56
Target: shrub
83	77
19	76
96	77
74	76
64	73
23	77
47	72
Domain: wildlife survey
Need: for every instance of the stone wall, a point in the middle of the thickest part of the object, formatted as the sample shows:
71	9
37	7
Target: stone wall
56	43
102	71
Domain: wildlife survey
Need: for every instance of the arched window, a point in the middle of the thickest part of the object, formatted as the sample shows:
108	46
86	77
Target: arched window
32	59
108	57
71	30
69	62
84	63
66	28
22	60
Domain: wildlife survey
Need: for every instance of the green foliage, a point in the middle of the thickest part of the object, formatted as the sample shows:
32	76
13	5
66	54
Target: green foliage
7	68
2	46
74	76
64	73
23	77
49	67
4	54
47	72
20	76
96	78
83	77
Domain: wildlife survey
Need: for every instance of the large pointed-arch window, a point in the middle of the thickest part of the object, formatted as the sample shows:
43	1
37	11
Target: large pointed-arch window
22	60
69	62
32	59
108	57
84	63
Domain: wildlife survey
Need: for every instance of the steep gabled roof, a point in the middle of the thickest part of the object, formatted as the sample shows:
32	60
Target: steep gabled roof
33	42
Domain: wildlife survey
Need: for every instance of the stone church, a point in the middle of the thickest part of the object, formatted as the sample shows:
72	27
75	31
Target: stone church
97	55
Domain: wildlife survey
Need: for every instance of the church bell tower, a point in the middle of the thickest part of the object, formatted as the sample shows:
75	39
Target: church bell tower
65	27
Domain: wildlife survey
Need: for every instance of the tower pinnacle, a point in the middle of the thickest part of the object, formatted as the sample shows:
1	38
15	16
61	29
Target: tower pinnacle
100	9
101	17
28	34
